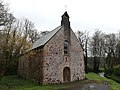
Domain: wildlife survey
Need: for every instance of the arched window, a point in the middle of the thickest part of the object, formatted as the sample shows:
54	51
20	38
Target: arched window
65	47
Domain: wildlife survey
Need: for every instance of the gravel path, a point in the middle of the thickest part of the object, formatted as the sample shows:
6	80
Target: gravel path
91	86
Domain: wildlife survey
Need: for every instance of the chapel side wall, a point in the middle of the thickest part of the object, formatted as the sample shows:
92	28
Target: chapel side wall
23	66
31	66
53	59
36	65
76	59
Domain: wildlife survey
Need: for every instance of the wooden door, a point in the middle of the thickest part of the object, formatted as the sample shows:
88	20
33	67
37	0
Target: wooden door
66	74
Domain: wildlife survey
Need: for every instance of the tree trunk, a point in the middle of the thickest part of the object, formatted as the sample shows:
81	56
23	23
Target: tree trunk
96	65
86	68
86	57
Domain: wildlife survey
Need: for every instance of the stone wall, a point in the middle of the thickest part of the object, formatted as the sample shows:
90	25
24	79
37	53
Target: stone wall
76	59
55	60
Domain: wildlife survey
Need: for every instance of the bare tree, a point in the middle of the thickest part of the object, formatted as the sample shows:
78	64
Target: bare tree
117	62
83	38
29	27
6	20
16	38
110	50
5	16
96	48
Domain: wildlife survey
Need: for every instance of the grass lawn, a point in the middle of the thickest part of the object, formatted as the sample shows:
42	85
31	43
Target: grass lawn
16	83
97	78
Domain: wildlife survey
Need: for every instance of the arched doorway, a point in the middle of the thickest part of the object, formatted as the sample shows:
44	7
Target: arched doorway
66	74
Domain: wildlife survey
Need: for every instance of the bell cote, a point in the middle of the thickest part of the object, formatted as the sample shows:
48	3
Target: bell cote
65	20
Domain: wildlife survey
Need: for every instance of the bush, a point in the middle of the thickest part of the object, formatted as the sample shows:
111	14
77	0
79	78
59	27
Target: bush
115	77
116	70
11	70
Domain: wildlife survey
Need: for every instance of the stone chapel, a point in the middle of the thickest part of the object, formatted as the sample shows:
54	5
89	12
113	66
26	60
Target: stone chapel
56	57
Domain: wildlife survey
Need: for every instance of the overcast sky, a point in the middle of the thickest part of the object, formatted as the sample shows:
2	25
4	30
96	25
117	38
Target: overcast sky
84	14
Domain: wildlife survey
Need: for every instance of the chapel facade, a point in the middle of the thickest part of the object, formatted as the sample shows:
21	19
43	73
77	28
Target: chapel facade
57	57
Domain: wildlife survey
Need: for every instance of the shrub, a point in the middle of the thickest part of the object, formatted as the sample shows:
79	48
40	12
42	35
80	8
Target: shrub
116	70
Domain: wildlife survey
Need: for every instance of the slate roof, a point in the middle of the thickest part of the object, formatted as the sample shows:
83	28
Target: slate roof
44	39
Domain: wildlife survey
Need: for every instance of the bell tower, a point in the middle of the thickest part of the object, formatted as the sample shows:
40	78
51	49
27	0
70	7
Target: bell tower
65	20
66	25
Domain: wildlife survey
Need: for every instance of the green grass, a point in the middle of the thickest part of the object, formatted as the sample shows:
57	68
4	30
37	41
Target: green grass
16	83
113	84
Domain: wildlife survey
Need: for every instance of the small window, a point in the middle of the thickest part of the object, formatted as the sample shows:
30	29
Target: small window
65	47
65	52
